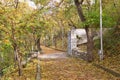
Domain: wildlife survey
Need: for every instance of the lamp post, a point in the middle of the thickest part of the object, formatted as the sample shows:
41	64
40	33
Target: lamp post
101	36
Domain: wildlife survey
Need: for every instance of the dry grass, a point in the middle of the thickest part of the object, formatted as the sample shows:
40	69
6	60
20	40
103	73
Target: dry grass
68	69
72	69
64	69
28	73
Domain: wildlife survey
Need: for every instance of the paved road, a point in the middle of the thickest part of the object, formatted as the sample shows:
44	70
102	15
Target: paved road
49	53
53	55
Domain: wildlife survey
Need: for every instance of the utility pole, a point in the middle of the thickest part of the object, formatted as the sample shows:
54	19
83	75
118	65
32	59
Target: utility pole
101	36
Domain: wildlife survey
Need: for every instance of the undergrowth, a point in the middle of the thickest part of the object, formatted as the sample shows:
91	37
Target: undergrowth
111	42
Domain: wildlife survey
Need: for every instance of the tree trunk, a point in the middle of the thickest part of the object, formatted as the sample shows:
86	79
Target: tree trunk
88	32
15	54
17	60
89	45
55	42
19	67
79	9
38	44
15	47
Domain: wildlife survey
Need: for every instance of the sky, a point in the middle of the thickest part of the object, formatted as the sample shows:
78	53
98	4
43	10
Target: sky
30	3
57	0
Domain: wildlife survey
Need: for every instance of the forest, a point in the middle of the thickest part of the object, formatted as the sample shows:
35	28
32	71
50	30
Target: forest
30	29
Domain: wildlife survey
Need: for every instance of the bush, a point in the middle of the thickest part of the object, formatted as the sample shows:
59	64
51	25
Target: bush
111	42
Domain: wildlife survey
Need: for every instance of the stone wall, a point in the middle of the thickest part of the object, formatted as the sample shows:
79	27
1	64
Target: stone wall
72	41
79	54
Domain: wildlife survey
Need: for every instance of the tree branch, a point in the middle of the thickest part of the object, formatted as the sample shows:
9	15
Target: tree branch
16	3
80	11
60	3
70	23
81	1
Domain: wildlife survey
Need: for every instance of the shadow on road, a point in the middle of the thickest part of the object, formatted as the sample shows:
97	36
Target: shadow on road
116	74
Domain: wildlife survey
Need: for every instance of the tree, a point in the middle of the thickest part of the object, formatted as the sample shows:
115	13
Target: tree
88	31
12	31
36	27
